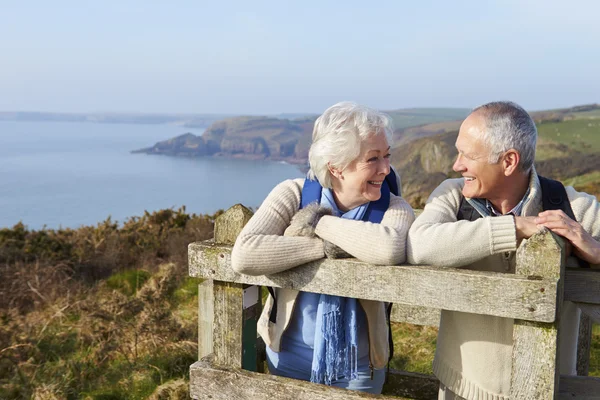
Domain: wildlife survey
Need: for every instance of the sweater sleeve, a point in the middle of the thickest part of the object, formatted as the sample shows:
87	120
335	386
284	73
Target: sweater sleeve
261	248
437	238
586	209
383	243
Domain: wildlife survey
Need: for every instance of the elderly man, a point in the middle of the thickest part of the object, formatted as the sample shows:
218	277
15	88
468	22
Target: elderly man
477	222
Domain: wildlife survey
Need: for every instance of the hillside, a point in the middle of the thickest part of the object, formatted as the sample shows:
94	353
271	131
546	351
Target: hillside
107	312
568	149
568	144
276	138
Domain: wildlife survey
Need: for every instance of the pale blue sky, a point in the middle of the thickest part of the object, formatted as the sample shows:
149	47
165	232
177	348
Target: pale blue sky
257	57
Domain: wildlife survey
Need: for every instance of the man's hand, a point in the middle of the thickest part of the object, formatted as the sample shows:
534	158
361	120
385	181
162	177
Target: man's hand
526	227
584	245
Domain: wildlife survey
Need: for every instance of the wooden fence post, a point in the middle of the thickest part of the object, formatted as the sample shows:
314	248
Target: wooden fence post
535	364
205	318
236	307
583	345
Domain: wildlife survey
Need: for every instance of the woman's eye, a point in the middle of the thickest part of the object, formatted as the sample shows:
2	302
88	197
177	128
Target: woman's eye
388	155
372	159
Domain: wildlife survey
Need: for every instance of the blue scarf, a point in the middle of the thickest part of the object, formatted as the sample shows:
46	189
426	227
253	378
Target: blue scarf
336	331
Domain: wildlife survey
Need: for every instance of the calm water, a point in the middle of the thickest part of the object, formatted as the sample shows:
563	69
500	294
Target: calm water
72	174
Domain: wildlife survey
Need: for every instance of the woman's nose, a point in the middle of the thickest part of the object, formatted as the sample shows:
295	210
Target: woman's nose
385	169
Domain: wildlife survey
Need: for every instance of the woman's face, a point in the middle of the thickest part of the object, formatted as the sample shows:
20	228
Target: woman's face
361	181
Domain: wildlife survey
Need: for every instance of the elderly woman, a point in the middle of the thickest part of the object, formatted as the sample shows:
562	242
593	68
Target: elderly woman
349	203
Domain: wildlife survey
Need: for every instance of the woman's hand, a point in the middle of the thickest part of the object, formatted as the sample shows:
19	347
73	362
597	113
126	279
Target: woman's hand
584	245
305	221
334	251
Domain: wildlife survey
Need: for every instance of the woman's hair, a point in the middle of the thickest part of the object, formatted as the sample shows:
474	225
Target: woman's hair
338	136
509	127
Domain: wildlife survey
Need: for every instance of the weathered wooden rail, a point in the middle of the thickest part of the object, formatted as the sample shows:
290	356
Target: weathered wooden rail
231	357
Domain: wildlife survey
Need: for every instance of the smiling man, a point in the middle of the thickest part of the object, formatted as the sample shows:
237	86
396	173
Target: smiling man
477	222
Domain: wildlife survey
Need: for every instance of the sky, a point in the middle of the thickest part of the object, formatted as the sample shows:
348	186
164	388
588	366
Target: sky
269	57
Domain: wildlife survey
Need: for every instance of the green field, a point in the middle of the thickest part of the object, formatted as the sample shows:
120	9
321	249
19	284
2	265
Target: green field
583	180
594	114
579	134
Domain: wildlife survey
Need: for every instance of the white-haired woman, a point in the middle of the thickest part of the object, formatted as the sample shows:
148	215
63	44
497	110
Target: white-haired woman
349	203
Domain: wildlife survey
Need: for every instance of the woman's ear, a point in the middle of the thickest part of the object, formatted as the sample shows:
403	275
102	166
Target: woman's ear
335	172
510	162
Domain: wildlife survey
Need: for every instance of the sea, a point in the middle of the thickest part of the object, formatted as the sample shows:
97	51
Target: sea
69	174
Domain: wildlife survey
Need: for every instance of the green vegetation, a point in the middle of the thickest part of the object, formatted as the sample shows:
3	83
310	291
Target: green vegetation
579	134
100	312
592	114
595	352
414	347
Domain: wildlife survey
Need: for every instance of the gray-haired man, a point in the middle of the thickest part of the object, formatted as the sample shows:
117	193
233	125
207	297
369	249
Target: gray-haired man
500	187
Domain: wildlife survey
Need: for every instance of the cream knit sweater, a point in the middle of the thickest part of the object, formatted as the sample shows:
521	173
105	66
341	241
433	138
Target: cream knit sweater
261	249
474	352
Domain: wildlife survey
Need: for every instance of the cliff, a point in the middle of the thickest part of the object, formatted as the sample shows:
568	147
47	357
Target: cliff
248	137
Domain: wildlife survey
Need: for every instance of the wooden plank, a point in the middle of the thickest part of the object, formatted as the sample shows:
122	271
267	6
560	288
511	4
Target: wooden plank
535	366
579	387
583	345
205	318
415	315
210	381
582	285
228	320
225	383
411	385
591	310
503	295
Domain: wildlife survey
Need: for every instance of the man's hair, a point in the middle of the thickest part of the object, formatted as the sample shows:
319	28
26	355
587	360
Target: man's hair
509	126
338	136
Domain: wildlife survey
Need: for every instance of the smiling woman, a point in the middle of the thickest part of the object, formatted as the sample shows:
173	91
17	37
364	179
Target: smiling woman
349	205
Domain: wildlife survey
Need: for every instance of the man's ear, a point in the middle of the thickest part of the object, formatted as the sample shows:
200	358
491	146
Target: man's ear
510	162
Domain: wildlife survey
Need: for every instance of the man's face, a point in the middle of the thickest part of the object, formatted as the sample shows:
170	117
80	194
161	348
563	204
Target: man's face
482	179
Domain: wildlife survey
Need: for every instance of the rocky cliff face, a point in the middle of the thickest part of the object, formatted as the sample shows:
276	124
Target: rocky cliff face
251	137
187	144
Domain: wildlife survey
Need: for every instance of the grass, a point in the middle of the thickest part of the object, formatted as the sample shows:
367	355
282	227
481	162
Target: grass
579	134
414	347
595	352
128	282
583	180
594	114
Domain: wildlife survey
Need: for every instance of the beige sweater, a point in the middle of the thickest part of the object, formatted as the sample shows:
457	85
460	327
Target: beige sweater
474	352
261	249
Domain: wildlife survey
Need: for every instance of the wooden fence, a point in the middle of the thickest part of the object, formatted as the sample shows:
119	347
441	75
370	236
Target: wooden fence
232	358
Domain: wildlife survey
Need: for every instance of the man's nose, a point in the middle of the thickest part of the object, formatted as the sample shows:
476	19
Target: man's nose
458	166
